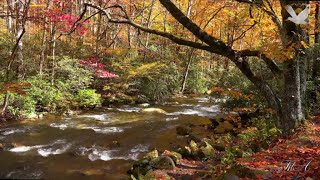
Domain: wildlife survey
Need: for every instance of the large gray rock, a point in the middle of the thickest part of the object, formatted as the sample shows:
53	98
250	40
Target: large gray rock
163	162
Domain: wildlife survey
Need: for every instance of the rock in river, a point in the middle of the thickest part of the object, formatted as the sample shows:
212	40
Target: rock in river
173	155
183	130
224	127
144	105
151	155
153	110
162	162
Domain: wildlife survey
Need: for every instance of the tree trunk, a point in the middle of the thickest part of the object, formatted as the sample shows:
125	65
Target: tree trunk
10	14
185	77
292	110
190	56
53	51
20	29
294	75
43	55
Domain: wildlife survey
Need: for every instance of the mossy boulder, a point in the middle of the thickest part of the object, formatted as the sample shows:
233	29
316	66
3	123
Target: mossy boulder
151	155
162	162
140	168
185	151
207	149
173	155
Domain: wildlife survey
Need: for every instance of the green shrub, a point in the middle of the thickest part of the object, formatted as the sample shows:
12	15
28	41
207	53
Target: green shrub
261	136
70	75
88	98
44	94
22	106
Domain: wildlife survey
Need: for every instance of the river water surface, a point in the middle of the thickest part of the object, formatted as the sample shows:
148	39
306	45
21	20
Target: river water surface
84	146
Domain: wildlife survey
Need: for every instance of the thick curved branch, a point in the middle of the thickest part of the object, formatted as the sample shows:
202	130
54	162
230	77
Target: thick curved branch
173	38
196	30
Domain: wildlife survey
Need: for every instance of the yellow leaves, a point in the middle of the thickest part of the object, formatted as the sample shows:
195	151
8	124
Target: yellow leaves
145	69
304	45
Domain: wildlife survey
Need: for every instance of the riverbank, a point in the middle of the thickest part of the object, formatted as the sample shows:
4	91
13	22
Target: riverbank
296	157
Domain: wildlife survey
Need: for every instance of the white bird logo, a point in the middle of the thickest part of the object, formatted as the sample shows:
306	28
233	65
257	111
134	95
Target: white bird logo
301	17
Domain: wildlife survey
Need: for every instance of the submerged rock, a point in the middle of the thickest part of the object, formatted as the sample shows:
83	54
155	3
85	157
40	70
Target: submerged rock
162	162
194	137
183	130
114	144
224	127
92	172
153	110
215	122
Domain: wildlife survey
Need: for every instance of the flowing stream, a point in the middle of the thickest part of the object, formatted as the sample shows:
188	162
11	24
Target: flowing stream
99	144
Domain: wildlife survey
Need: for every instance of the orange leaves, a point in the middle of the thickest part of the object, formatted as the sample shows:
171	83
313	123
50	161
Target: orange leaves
236	94
14	88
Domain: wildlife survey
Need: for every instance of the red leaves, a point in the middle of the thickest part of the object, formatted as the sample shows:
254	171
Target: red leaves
59	14
105	74
298	155
96	66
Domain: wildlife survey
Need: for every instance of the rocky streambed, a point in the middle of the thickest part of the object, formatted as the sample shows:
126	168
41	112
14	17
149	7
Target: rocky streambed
99	144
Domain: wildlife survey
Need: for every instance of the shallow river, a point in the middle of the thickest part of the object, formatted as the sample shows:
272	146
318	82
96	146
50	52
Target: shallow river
83	146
